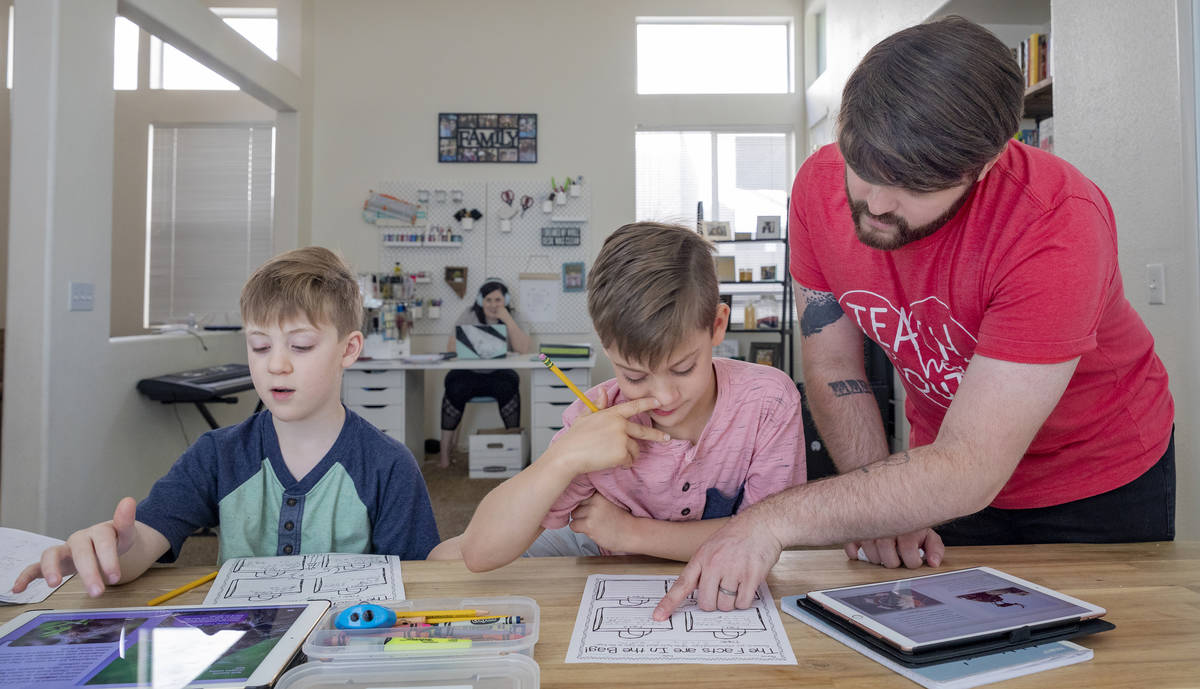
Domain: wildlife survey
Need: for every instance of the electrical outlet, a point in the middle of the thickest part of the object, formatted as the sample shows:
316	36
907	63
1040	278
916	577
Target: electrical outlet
1156	283
83	294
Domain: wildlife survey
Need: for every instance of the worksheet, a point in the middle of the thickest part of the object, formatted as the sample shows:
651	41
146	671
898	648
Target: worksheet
337	577
614	625
18	550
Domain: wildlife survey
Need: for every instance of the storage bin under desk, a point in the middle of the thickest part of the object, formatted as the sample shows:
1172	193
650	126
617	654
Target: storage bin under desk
389	399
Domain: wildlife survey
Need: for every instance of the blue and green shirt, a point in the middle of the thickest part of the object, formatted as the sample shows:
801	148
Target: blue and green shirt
366	495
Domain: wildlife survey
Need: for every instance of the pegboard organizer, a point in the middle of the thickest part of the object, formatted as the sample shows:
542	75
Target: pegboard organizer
501	244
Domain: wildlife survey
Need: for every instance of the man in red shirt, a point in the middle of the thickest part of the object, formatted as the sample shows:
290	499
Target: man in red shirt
987	271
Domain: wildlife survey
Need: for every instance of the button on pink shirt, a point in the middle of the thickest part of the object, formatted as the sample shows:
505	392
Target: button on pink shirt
753	440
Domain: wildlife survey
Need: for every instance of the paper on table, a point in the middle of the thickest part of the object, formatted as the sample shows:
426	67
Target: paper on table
337	577
614	625
18	550
959	674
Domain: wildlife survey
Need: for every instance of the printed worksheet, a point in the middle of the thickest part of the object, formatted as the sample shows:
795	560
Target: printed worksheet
337	577
614	625
18	550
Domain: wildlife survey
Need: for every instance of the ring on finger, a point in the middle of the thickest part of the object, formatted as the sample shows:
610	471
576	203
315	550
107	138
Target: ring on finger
727	592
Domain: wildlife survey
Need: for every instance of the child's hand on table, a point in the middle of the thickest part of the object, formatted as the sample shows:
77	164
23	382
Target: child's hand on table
93	553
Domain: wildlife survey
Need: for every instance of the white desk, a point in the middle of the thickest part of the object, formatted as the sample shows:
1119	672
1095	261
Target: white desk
390	393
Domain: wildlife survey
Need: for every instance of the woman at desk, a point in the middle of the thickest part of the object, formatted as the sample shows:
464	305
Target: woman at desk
491	307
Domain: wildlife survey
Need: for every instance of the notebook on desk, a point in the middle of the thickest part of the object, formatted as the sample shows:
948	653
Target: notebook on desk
481	341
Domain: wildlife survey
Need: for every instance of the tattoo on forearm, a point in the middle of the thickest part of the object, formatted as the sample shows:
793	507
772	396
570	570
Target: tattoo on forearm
821	309
893	460
841	388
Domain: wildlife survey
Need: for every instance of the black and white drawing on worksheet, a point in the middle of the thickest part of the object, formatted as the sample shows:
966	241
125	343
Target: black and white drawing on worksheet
327	576
615	625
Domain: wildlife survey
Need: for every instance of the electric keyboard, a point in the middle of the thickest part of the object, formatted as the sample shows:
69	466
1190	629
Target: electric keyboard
198	385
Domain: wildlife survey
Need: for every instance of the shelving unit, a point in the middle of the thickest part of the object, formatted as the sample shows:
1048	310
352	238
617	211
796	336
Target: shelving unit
757	287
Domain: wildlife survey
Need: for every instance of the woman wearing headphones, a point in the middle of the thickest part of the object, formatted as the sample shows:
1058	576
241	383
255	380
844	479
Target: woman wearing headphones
491	307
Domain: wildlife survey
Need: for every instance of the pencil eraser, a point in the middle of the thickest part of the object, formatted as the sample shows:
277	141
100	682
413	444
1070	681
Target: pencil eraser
541	357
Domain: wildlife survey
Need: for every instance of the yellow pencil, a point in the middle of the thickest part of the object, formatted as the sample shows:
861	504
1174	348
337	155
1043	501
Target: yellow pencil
550	365
183	589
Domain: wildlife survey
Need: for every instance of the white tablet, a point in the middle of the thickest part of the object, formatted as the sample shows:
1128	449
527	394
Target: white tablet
165	646
952	607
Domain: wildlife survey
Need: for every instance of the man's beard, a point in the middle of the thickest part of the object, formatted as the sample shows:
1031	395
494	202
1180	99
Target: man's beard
901	232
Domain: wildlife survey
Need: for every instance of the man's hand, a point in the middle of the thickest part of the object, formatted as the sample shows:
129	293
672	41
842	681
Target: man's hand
901	550
607	438
93	553
603	522
735	560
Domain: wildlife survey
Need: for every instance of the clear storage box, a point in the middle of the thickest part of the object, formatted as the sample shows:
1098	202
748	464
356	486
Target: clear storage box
513	671
328	643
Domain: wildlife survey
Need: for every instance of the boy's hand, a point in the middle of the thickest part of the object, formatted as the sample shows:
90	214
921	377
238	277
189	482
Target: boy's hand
94	553
606	438
603	522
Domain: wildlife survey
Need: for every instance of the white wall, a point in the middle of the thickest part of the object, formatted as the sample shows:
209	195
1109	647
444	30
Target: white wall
1119	118
1125	118
77	436
382	71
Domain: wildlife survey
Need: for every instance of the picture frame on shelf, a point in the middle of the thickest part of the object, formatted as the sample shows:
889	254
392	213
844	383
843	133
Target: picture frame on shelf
726	268
766	353
768	227
573	276
717	229
767	272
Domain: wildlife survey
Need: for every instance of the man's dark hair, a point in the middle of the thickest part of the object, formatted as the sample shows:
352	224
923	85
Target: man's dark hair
928	107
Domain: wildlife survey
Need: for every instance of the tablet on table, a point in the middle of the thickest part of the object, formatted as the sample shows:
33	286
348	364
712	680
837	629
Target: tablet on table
165	646
940	611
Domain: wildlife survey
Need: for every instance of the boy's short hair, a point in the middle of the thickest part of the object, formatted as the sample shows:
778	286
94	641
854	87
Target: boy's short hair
652	286
311	281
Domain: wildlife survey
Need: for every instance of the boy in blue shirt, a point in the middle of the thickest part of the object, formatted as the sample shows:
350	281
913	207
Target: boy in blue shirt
304	476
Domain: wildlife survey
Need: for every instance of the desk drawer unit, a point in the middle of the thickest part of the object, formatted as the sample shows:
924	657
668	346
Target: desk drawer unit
387	399
550	398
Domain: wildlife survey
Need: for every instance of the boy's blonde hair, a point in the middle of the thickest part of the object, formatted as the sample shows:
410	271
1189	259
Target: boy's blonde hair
653	285
311	281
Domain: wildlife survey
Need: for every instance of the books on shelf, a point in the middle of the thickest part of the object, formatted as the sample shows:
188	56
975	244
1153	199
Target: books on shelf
1028	132
1046	134
1034	57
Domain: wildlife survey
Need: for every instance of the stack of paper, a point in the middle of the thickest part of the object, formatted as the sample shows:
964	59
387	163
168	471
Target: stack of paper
18	550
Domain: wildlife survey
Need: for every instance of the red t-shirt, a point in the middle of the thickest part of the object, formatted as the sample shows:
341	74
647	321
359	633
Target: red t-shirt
1025	272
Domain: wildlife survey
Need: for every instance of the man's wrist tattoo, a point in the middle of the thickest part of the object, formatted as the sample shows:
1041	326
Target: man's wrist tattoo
841	388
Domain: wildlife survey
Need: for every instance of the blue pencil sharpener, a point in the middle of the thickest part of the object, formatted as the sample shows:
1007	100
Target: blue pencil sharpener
365	616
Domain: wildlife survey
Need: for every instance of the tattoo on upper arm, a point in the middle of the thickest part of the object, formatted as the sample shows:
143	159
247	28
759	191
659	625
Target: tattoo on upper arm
893	460
841	388
821	309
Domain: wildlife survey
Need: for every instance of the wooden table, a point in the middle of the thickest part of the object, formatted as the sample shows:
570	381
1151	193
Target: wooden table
1151	592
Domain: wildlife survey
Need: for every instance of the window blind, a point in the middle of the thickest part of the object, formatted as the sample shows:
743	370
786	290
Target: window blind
210	218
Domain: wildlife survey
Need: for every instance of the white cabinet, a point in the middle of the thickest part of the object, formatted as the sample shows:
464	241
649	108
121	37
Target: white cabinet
388	400
550	397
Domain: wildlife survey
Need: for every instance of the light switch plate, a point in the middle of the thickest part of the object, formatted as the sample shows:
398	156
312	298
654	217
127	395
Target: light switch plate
83	294
1156	283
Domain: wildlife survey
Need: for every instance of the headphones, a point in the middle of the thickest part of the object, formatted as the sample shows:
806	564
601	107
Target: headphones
506	292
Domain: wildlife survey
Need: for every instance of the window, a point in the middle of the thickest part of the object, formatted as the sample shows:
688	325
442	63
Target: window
171	69
125	54
697	56
210	214
737	176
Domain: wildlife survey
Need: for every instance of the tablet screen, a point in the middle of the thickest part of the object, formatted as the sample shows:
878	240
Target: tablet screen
939	608
160	647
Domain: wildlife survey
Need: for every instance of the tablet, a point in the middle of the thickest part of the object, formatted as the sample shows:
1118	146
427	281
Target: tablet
165	646
950	608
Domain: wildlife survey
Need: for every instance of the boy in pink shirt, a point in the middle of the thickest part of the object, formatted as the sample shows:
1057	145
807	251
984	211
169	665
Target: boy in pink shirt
682	442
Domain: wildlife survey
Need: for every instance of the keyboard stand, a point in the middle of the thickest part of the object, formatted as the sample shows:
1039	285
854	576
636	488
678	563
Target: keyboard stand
224	400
